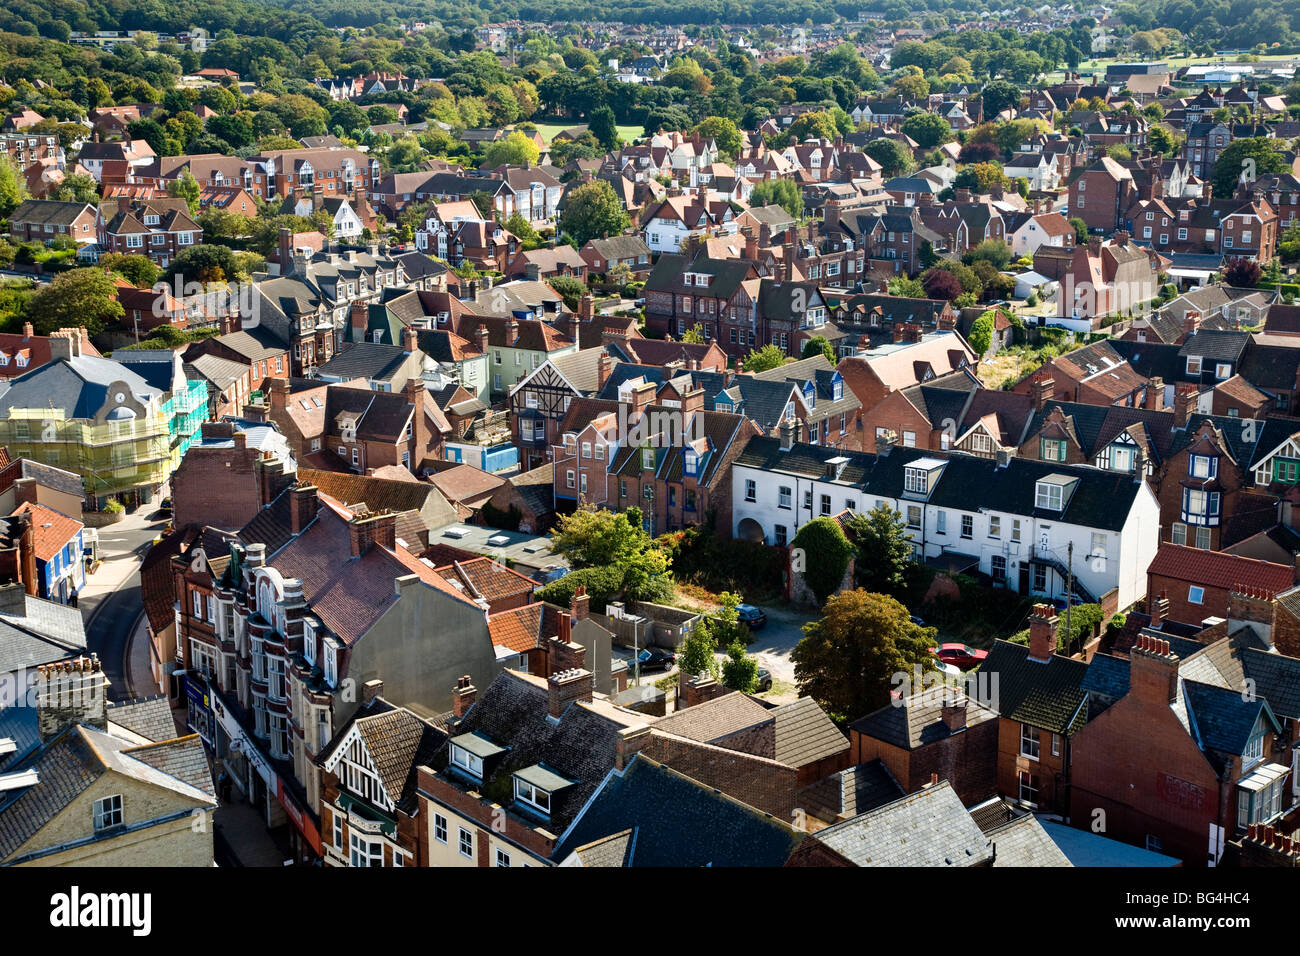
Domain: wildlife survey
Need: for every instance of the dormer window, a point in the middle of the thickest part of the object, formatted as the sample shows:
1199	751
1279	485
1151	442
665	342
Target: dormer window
535	786
917	481
1049	492
690	461
331	668
1203	466
837	390
468	751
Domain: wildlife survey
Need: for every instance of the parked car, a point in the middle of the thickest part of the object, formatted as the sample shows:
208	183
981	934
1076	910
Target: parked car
751	615
959	655
165	507
764	680
655	659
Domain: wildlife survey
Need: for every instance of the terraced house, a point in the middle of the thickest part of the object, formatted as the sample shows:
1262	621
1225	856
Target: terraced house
1032	527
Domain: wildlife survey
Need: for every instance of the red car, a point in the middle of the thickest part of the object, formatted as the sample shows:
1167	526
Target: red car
959	655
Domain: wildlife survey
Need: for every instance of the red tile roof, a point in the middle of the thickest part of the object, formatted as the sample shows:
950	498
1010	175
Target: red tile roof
1218	570
51	529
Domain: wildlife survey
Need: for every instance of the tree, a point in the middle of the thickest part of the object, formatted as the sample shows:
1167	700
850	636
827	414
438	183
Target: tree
81	297
1080	230
981	178
570	288
908	288
515	149
778	192
847	660
521	229
136	269
739	670
186	187
893	157
1248	158
593	211
1162	141
1242	272
694	335
981	333
768	357
603	126
824	552
884	548
78	187
997	96
13	186
592	538
819	345
722	131
993	251
941	284
205	263
928	129
696	655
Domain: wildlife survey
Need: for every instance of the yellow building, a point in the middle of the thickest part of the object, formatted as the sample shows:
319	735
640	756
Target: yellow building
94	784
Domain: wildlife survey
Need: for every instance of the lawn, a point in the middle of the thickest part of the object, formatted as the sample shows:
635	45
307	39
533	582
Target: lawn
625	133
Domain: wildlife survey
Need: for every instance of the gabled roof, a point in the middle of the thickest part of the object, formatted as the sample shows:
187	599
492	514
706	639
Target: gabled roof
927	828
671	820
1048	696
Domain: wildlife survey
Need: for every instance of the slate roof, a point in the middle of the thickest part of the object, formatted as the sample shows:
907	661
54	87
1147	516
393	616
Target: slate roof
702	827
1100	499
1024	842
150	717
77	386
51	477
44	633
1229	662
917	721
1221	720
850	792
1048	695
716	718
512	713
928	828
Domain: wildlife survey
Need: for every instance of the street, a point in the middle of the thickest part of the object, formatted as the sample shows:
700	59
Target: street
110	602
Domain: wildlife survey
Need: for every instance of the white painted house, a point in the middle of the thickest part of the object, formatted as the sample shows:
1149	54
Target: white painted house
1025	524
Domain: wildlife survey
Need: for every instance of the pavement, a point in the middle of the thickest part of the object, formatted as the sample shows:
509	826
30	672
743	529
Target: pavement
242	839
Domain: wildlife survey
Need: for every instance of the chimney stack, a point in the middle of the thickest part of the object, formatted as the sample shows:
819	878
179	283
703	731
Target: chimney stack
303	503
1153	671
1185	402
68	693
884	443
482	338
410	339
1042	392
462	697
953	713
580	604
567	687
1042	633
367	530
788	428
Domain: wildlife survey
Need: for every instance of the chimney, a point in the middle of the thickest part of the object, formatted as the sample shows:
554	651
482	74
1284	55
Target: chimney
963	195
884	444
562	652
1041	391
1191	321
1003	457
123	204
580	604
586	309
532	271
603	365
462	697
751	245
367	530
410	339
1155	392
630	741
279	392
953	713
512	332
1094	246
566	687
303	503
574	325
357	316
370	690
788	428
68	693
1158	610
1042	633
1185	401
27	331
65	344
1252	607
1153	671
481	337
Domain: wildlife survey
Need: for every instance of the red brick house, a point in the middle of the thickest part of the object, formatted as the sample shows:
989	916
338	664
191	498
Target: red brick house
37	220
1198	584
157	228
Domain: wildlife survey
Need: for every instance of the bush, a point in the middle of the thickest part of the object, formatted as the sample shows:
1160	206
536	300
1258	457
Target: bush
114	507
602	584
825	555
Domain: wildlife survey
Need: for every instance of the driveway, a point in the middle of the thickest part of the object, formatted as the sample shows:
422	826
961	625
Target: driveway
773	644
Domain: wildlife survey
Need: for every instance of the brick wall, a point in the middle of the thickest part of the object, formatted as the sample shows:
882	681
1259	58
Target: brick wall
967	760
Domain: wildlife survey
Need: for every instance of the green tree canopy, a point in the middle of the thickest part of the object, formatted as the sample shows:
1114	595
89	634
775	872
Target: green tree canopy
824	552
778	192
847	660
819	345
884	549
80	297
761	360
593	211
1250	157
515	149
